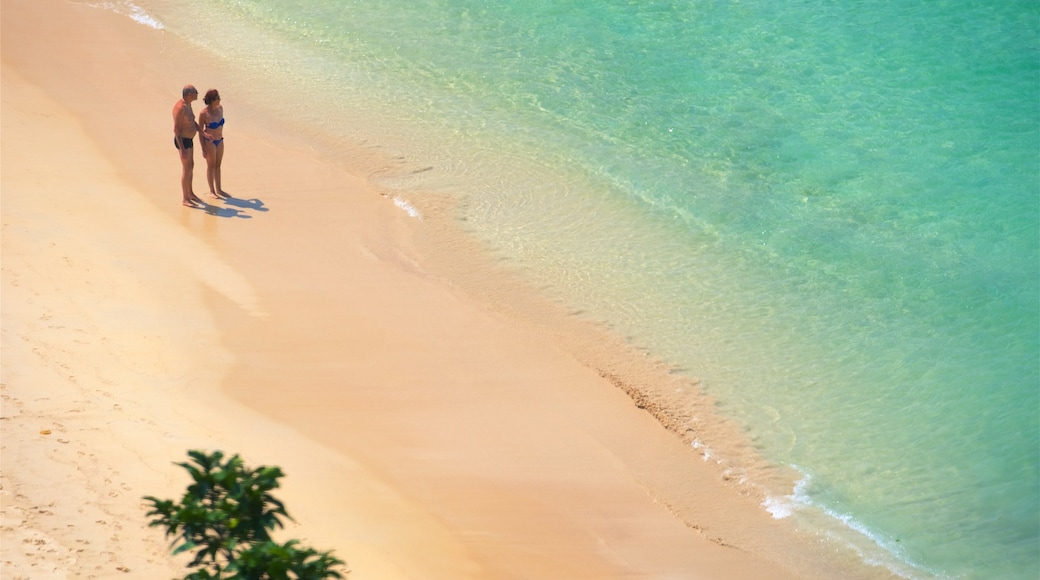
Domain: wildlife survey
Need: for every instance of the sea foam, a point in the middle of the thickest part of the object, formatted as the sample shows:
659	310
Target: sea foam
785	506
408	208
135	12
873	548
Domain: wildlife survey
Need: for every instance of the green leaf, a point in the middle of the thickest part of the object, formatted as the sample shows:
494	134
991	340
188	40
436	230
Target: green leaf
184	548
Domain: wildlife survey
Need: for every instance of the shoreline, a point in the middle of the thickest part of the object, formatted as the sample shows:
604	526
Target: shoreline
309	284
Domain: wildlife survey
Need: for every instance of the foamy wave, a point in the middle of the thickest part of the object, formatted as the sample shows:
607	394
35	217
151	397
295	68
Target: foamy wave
139	15
408	208
871	547
135	12
778	507
887	546
704	449
783	507
706	452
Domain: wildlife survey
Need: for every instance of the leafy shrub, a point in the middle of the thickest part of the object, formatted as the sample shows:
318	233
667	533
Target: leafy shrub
226	517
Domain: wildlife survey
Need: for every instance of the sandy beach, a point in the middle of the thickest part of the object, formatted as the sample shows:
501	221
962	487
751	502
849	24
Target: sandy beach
308	323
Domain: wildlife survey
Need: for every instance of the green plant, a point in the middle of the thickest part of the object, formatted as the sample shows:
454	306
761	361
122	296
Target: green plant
226	516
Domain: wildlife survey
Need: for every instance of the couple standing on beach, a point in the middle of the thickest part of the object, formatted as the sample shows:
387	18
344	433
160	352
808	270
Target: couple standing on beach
210	127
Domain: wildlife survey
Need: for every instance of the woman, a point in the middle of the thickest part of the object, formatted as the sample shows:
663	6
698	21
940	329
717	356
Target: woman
211	123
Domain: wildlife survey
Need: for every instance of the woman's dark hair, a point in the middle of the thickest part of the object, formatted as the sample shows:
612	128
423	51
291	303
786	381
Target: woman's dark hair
211	95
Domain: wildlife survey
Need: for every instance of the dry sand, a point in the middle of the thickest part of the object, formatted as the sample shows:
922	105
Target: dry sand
425	433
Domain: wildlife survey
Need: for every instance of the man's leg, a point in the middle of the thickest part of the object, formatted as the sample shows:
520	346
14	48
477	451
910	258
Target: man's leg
187	172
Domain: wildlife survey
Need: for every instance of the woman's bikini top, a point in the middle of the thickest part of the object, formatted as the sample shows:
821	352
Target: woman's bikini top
215	124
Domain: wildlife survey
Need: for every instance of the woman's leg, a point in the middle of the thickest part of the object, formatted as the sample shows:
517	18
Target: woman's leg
218	156
208	151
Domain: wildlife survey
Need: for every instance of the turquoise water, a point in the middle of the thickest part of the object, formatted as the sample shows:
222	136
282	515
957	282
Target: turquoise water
827	211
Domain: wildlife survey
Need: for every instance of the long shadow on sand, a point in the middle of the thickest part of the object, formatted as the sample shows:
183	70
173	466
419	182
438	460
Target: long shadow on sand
253	204
232	212
224	212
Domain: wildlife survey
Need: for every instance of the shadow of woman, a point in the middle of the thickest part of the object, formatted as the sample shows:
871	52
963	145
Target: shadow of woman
253	204
225	212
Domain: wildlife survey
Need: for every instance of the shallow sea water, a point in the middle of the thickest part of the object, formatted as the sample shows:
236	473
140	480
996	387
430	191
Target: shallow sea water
828	212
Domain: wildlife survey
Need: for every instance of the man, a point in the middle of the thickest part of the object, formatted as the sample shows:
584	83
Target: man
184	130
